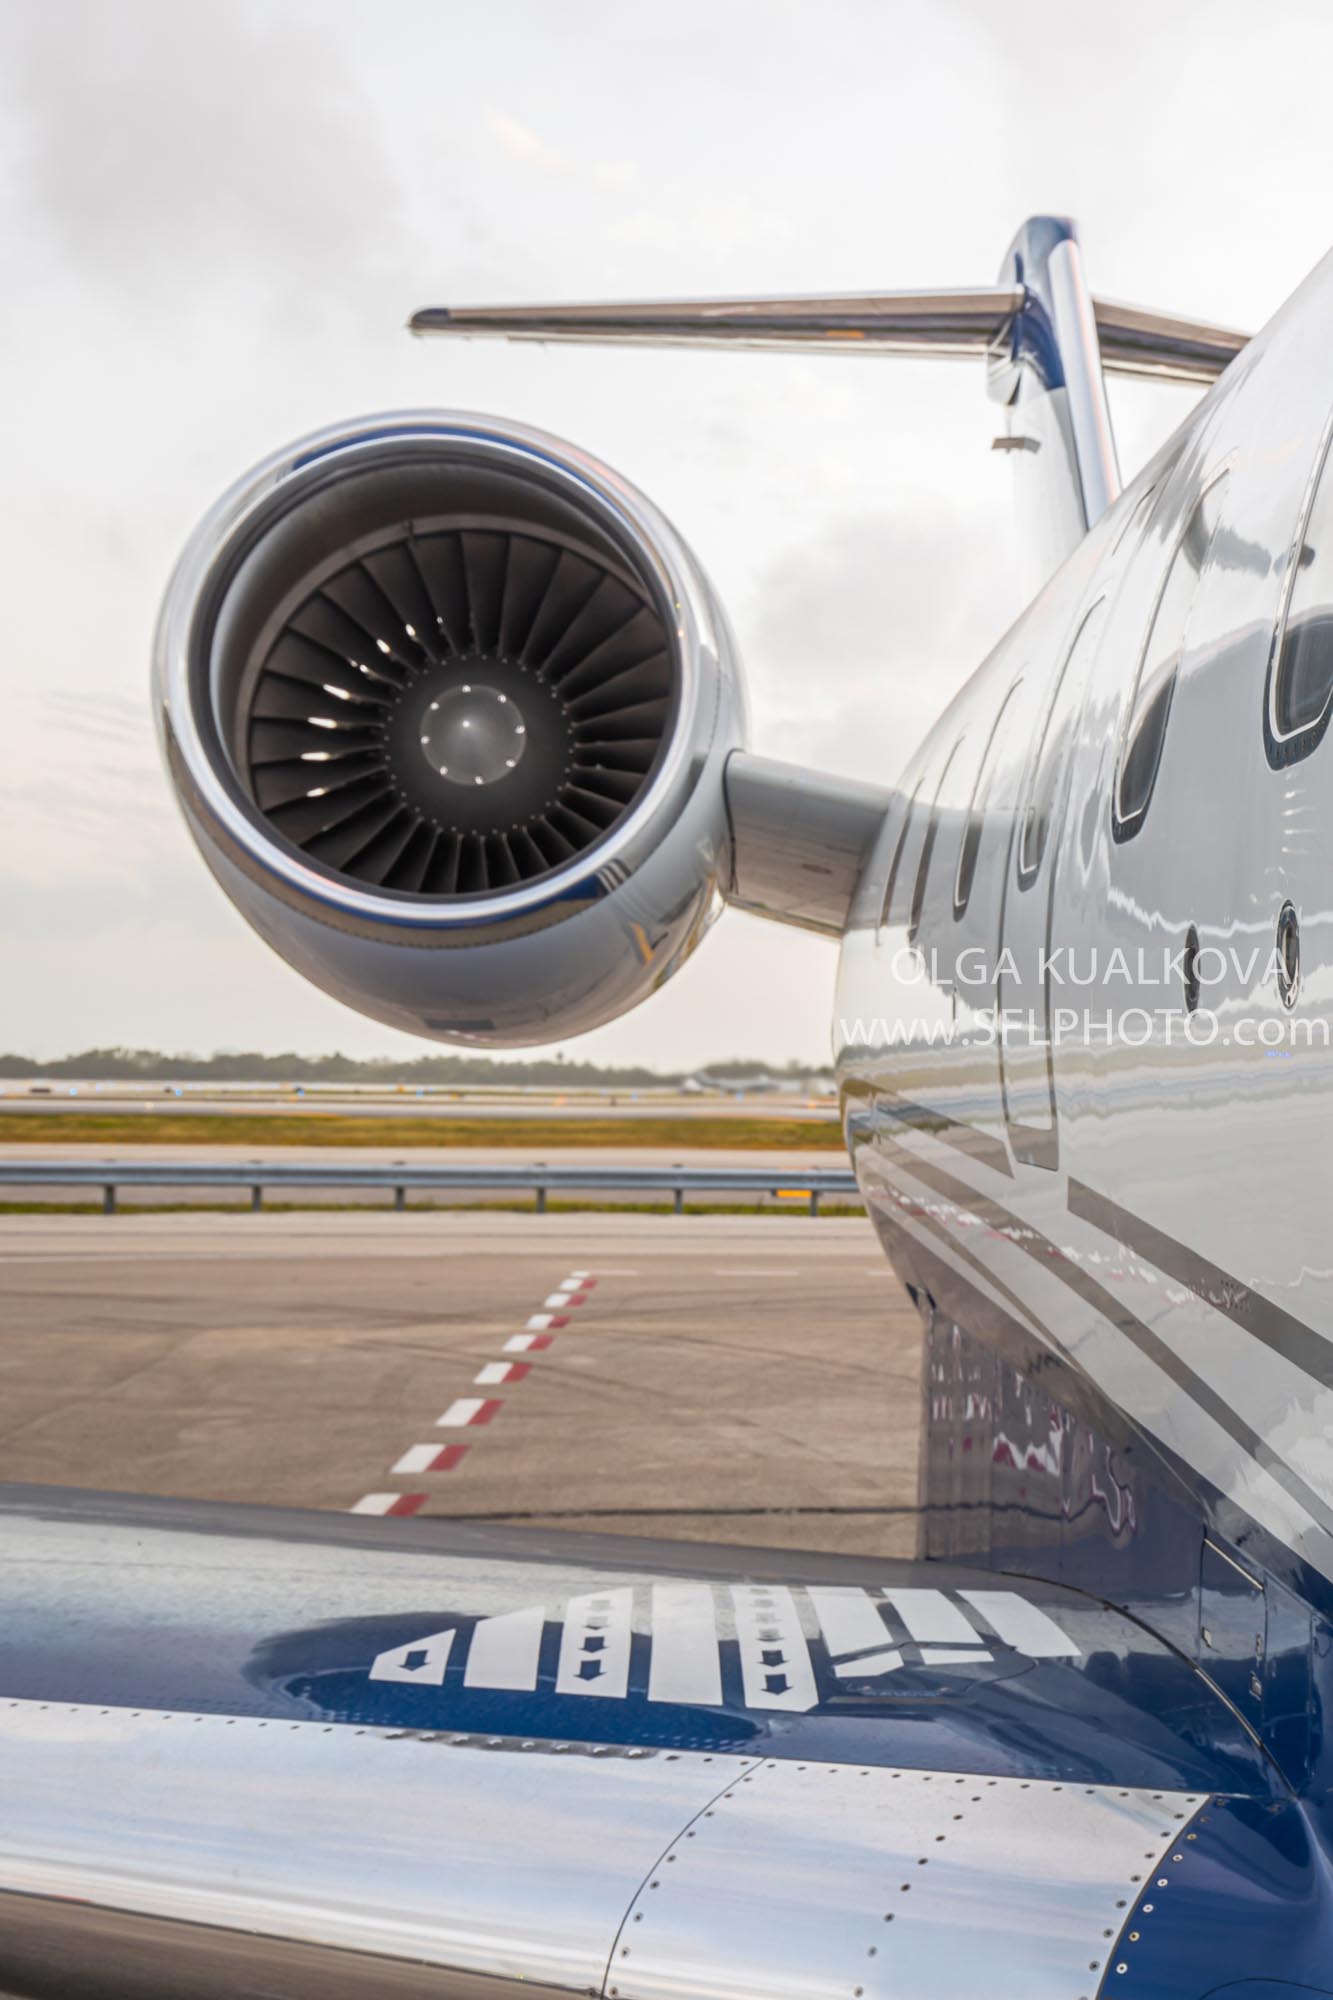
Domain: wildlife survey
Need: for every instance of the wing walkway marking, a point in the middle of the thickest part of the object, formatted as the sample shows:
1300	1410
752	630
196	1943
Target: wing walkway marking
777	1669
685	1664
1021	1624
505	1649
594	1646
422	1663
775	1660
928	1615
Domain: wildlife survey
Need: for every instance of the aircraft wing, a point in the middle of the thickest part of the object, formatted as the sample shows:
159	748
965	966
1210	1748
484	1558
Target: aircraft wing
1134	340
247	1750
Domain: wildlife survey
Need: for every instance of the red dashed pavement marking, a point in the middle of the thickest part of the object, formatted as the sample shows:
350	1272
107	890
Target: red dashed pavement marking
430	1458
470	1410
496	1372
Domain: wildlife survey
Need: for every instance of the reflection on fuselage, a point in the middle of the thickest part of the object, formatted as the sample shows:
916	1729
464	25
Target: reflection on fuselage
1120	1185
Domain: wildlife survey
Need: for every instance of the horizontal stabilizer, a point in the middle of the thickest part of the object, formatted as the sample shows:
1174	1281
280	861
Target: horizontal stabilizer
1134	341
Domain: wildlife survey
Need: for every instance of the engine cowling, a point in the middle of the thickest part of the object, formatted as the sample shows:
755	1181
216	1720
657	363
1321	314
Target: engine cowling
447	706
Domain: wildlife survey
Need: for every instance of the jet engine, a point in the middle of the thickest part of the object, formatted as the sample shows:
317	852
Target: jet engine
447	706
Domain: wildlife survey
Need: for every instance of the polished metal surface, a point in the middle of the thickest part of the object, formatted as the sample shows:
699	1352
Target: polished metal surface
923	323
821	1882
1074	315
502	1859
1134	340
427	1624
799	840
1166	347
551	1866
1163	1251
1045	376
474	735
929	1777
543	958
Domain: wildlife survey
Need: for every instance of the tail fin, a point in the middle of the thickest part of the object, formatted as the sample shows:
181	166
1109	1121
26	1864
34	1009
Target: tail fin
1046	340
1047	373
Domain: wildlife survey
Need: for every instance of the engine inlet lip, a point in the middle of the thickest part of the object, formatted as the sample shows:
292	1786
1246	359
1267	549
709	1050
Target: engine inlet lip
293	475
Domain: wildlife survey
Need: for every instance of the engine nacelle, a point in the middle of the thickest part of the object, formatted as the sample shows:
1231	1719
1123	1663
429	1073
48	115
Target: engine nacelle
447	705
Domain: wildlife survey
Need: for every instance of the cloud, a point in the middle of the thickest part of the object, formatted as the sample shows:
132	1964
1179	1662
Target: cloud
521	144
98	714
174	147
858	638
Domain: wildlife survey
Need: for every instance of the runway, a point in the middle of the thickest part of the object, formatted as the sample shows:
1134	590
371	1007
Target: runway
718	1378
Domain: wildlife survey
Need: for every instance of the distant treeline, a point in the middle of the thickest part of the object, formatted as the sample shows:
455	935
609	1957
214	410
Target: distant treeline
247	1066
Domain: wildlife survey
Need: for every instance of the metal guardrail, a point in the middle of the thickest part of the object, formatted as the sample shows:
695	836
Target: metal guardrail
540	1180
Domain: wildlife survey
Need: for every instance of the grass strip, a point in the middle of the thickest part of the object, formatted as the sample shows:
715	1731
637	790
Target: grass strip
534	1135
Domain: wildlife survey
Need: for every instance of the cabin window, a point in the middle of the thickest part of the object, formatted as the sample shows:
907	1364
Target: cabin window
1054	751
1159	663
974	825
886	914
1301	692
928	847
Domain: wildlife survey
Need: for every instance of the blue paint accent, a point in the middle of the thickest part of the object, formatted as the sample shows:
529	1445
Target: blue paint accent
1032	335
265	1613
1015	1480
1243	1896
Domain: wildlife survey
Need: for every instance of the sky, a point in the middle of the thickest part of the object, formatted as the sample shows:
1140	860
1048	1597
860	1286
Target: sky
216	215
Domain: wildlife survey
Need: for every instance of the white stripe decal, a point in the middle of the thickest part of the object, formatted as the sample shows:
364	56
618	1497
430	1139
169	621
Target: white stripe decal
1021	1625
928	1614
493	1372
594	1646
775	1660
685	1664
504	1650
461	1411
871	1664
945	1656
423	1661
849	1618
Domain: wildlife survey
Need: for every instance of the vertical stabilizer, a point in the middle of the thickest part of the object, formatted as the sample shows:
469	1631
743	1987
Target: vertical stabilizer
1046	369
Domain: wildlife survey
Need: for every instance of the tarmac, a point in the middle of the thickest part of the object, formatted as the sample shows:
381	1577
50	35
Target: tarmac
734	1378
